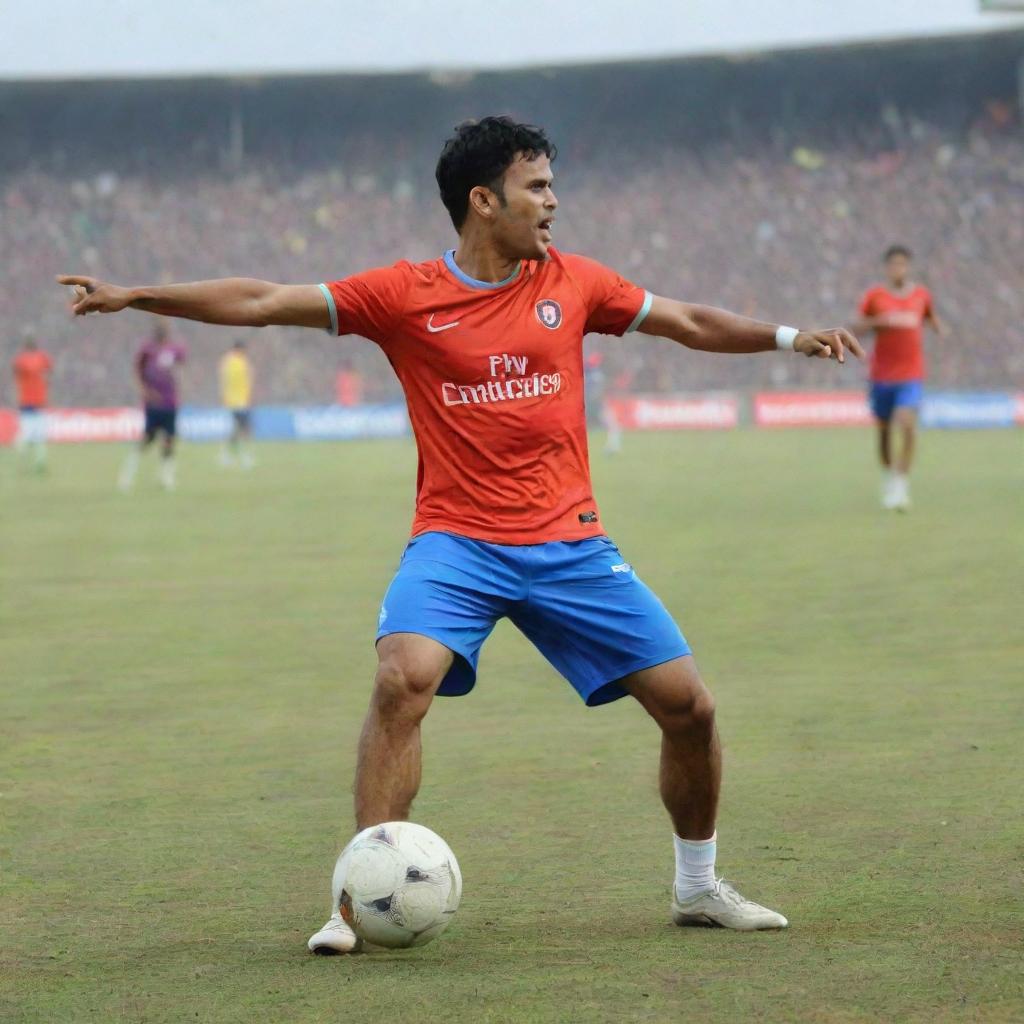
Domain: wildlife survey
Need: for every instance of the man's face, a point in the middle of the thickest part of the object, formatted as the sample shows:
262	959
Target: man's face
522	224
897	268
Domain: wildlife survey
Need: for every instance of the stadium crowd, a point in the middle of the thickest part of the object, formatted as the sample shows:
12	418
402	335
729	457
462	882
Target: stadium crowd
792	233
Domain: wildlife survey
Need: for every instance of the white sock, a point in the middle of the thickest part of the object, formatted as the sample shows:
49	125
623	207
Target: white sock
167	472
129	468
695	866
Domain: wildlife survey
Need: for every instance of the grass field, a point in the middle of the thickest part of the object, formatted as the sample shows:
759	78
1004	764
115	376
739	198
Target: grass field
183	678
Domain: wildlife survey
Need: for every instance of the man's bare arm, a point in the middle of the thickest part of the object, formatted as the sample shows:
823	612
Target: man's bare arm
237	301
937	324
717	330
865	324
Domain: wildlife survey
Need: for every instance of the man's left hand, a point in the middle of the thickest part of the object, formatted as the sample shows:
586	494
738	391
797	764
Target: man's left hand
831	343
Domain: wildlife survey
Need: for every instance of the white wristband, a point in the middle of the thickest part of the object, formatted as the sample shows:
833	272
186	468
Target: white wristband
785	336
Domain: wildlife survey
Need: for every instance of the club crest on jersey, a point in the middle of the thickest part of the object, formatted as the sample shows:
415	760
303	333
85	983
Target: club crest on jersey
549	313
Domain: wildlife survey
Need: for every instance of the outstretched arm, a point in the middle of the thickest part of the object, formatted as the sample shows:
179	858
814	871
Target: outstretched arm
716	330
238	301
937	324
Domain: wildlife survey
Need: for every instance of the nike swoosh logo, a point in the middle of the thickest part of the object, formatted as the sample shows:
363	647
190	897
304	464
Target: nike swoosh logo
440	327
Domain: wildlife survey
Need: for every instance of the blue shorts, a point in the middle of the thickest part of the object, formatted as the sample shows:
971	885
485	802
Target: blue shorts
579	602
885	398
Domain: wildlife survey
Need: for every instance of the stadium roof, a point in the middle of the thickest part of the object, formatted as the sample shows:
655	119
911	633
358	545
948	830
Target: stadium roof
115	38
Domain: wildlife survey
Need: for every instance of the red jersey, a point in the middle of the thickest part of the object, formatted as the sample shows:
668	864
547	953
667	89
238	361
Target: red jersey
493	377
31	369
898	354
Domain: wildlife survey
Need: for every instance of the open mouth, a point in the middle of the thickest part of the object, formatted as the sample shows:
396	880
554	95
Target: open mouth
545	227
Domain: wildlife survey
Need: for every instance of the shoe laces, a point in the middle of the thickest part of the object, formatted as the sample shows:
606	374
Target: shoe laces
726	892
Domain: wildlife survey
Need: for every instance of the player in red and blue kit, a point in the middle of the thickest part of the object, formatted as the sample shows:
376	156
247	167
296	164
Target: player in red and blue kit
487	341
897	311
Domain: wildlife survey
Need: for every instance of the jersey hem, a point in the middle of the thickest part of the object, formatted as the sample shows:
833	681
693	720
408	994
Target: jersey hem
507	539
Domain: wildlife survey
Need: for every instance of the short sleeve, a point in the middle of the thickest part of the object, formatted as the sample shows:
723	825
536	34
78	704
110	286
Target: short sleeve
929	309
866	302
614	305
368	304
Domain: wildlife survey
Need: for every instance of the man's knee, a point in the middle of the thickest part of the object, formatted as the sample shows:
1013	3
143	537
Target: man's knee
678	701
693	710
402	690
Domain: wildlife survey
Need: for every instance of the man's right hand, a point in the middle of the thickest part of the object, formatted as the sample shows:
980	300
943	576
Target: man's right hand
234	301
93	296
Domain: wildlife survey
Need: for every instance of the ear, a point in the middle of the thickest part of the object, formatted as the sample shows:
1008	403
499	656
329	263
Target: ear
483	200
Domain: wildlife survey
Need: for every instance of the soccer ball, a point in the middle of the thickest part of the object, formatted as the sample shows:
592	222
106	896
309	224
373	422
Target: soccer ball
397	885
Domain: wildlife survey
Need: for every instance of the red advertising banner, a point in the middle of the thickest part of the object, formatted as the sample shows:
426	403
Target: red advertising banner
1018	406
811	409
676	412
73	425
124	424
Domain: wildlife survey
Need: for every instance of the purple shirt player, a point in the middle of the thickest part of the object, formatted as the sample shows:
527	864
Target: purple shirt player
155	365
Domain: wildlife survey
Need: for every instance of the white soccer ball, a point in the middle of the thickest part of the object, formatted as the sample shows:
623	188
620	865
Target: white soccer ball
397	885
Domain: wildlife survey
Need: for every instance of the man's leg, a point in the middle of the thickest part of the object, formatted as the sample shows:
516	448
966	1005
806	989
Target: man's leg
674	695
890	474
229	449
690	775
130	466
410	669
244	437
881	398
905	420
885	444
167	467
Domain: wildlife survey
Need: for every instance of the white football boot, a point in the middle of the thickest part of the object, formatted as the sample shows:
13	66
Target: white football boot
890	491
901	501
335	937
724	907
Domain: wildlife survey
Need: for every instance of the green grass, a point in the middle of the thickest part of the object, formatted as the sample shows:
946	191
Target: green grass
183	678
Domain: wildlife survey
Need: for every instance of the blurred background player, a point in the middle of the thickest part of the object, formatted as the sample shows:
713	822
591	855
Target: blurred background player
32	367
600	413
236	378
155	367
348	385
896	311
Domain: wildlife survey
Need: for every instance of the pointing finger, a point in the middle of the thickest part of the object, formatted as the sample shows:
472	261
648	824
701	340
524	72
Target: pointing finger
853	344
85	282
836	344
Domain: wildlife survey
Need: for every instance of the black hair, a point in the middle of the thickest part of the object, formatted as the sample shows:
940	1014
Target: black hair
897	250
479	153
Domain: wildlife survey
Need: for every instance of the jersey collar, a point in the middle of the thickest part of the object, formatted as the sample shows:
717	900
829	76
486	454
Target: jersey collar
471	282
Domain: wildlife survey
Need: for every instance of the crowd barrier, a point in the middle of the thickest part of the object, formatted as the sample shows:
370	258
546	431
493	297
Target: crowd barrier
269	423
711	411
676	412
939	410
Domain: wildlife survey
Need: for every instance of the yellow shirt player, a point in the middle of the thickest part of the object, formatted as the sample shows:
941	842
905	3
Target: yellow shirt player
236	380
